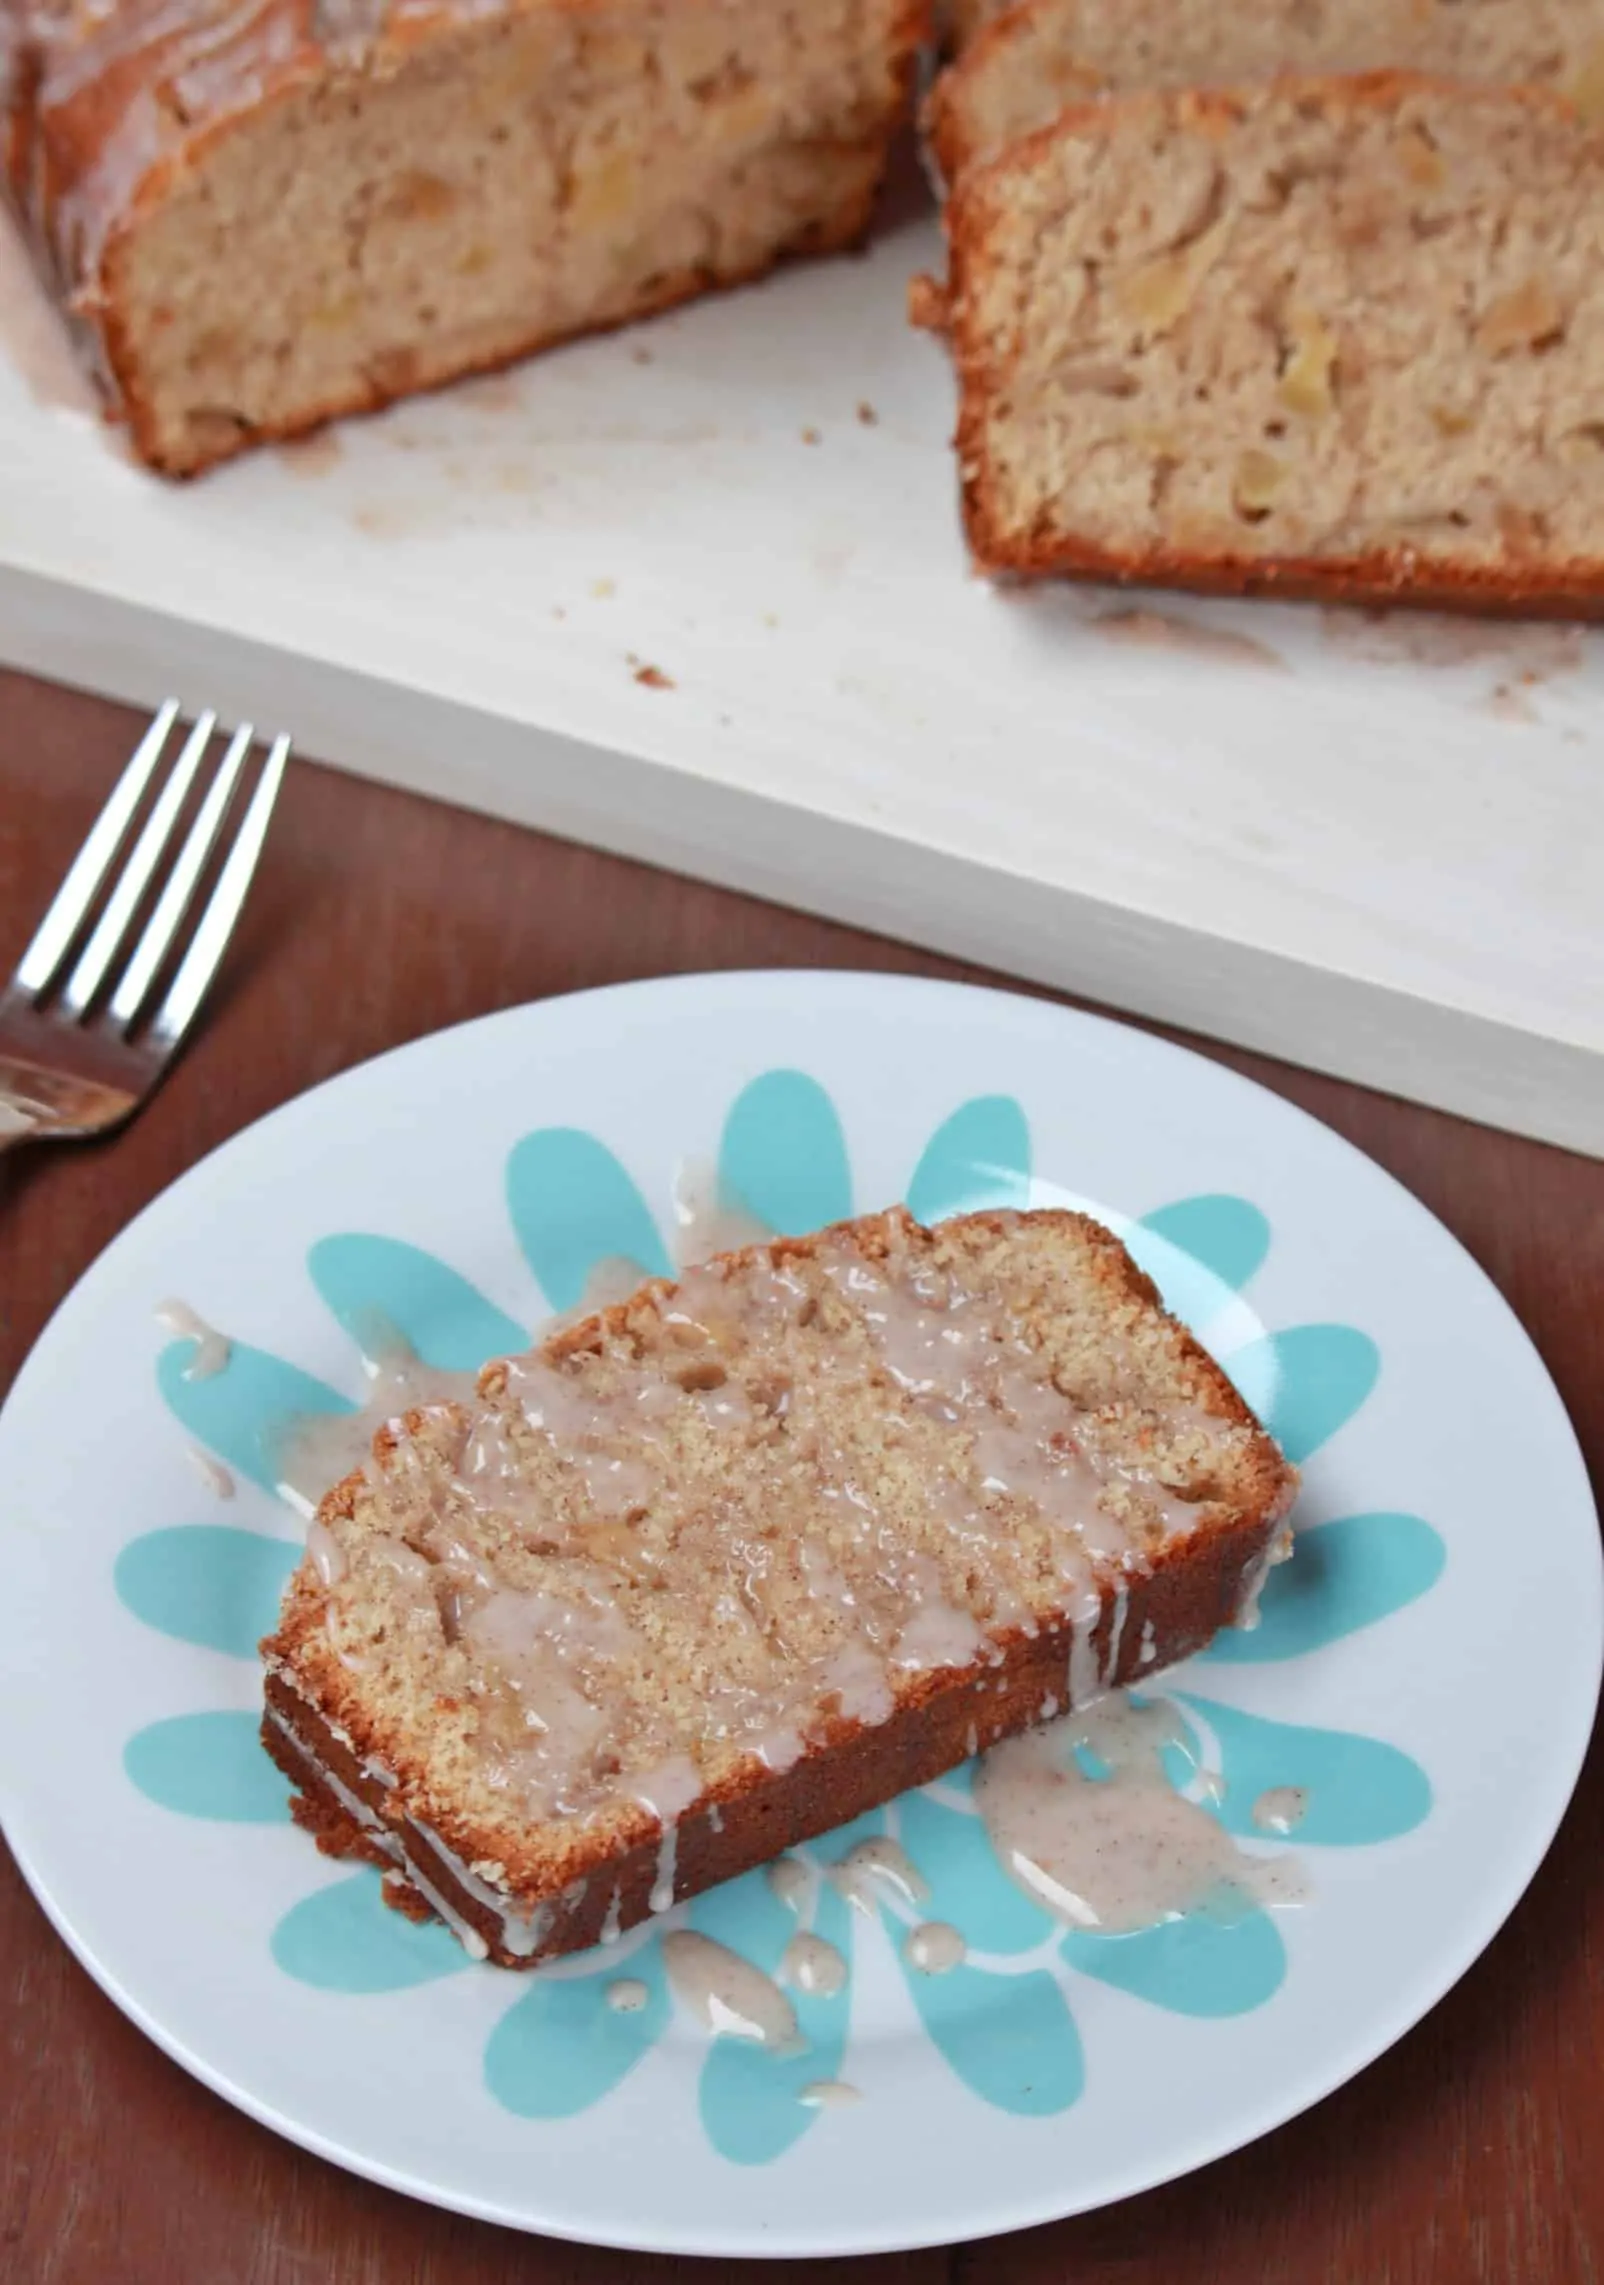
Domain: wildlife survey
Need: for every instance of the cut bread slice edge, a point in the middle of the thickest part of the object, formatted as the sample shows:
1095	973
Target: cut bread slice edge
1526	582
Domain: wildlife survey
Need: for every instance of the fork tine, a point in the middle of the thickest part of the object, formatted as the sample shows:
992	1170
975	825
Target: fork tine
162	927
199	963
90	972
84	876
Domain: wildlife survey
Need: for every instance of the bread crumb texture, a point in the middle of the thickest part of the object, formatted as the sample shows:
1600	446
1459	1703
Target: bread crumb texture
267	218
679	1545
1348	327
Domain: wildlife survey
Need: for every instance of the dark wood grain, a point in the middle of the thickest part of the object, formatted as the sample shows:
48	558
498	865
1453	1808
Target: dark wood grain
1470	2153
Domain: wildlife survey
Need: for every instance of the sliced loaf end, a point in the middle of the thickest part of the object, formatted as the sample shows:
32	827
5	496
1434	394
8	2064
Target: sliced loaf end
267	229
1323	337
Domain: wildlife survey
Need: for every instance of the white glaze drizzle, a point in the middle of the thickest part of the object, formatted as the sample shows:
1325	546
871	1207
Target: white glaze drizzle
789	1882
1084	1681
212	1349
1276	1550
154	74
211	1472
726	1994
935	1948
627	1995
811	1963
523	1931
1281	1809
319	1449
1122	1852
1122	1600
662	1896
328	1556
667	1792
707	1220
875	1864
378	1831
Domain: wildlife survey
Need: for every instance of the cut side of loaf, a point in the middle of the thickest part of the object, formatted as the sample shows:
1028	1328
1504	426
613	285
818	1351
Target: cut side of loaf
1027	65
261	218
747	1555
1334	338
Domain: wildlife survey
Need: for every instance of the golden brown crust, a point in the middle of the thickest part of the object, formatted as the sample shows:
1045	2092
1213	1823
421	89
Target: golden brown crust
1572	589
1385	576
928	307
316	1719
944	118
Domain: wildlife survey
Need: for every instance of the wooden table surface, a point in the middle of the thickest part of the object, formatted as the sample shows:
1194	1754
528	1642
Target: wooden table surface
1470	2153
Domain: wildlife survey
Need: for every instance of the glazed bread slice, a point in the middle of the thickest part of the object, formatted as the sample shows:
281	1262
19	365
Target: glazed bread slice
1028	64
747	1555
1337	338
263	215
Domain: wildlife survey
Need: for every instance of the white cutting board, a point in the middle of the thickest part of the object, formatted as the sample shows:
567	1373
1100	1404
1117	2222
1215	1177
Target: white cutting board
1369	846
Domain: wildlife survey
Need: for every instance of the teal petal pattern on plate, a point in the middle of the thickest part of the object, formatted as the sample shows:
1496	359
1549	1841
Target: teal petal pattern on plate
784	1157
1002	2020
572	1206
381	1288
209	1765
750	2096
1228	1236
1194	1291
1011	2039
239	1412
207	1583
1197	1966
562	2047
1318	1376
346	1938
1348	1574
1360	1789
979	1157
967	1885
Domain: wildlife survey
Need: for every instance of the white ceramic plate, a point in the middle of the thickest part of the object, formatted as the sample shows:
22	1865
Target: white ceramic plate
1427	1668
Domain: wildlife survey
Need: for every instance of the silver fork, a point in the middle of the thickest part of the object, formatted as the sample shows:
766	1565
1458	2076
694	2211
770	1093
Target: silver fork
72	1061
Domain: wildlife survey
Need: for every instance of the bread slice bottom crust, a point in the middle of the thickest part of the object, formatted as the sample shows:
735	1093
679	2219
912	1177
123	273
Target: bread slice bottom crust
429	367
1172	1613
